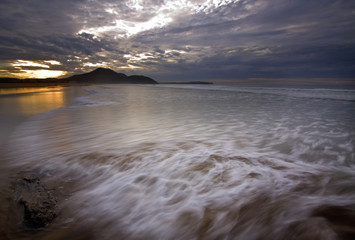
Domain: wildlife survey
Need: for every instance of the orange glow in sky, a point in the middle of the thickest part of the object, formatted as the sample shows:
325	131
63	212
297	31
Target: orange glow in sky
33	69
41	73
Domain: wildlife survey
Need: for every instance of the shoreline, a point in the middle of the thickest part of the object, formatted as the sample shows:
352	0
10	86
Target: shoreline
14	180
25	85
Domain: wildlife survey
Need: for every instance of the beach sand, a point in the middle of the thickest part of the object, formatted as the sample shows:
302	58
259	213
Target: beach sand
18	105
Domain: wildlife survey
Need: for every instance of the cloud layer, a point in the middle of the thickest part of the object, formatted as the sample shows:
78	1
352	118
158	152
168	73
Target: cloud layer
182	39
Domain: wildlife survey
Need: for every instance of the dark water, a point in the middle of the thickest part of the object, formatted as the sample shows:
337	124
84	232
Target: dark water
190	162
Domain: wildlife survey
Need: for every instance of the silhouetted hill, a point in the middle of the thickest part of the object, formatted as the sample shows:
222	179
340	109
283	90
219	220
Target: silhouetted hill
141	79
98	76
104	75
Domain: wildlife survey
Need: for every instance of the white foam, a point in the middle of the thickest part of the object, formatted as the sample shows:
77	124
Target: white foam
164	168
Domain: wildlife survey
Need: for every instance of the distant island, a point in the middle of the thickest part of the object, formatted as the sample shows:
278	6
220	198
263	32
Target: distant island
191	82
98	76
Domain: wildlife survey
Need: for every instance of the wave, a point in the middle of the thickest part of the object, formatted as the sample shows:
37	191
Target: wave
332	94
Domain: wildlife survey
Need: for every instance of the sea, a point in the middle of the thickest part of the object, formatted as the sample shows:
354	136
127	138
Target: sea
183	161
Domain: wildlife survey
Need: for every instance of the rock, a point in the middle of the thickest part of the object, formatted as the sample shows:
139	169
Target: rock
340	218
39	204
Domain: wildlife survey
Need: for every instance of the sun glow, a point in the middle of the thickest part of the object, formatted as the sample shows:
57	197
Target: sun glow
42	73
33	69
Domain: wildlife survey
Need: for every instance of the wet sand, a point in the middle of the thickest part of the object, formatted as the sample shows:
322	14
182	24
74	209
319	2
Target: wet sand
18	105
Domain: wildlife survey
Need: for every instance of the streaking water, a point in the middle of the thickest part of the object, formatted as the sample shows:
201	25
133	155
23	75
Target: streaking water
197	162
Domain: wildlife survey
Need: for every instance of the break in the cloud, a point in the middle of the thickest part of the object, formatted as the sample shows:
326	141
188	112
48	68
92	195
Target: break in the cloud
180	39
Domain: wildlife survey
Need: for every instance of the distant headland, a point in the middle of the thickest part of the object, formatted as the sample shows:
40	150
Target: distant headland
191	82
98	76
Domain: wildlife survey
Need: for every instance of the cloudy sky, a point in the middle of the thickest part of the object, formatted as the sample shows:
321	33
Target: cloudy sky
171	40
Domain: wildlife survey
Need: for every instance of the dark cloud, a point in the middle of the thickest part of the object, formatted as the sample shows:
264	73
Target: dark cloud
182	39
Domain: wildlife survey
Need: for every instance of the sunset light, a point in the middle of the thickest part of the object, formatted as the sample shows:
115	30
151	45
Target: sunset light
178	39
39	73
177	119
34	69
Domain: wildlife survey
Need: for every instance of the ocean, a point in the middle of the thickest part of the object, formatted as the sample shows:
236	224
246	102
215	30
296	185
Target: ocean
184	161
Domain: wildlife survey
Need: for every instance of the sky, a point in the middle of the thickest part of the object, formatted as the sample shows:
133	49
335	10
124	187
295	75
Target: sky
181	40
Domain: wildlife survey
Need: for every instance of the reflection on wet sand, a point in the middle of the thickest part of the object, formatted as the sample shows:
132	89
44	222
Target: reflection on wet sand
43	100
17	104
29	89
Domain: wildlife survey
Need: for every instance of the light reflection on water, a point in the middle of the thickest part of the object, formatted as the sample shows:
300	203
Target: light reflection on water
29	90
43	100
19	104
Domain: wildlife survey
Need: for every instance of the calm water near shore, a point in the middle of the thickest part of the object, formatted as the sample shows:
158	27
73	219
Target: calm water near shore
183	162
